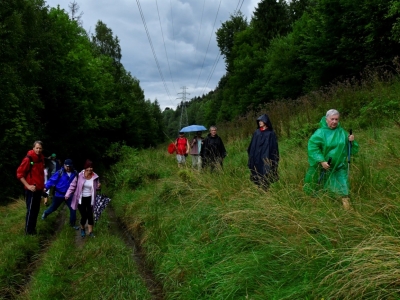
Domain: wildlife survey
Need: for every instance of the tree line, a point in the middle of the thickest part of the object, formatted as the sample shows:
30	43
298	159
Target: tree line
290	48
66	87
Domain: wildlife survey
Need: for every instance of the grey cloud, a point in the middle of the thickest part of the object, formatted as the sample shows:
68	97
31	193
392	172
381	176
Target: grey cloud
185	41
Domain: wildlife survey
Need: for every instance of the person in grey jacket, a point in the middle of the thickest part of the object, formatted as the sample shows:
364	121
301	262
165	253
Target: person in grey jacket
195	149
84	187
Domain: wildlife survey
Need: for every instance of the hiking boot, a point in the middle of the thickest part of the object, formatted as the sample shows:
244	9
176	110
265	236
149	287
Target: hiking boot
83	233
43	216
346	203
75	227
91	235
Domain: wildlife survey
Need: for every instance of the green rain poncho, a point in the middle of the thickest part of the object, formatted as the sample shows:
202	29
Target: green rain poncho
323	144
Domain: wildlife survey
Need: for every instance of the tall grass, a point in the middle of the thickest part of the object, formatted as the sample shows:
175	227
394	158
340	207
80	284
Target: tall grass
217	236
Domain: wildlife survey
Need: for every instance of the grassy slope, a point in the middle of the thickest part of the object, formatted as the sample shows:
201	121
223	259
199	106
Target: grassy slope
216	236
56	267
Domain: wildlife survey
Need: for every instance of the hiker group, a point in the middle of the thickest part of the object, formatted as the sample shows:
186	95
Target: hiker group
329	151
41	176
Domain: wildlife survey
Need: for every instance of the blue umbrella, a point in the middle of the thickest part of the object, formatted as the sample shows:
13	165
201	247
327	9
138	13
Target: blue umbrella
192	128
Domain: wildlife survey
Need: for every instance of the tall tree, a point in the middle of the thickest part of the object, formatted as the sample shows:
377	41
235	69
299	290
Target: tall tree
226	37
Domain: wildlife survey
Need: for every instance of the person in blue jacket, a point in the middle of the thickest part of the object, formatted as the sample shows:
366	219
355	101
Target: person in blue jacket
61	181
263	154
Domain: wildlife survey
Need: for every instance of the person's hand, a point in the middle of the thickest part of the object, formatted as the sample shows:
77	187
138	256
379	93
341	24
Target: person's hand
325	165
66	198
351	137
32	188
99	185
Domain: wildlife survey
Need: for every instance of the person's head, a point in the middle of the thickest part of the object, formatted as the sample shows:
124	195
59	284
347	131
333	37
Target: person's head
68	165
38	147
213	130
198	133
88	166
332	118
181	134
264	122
261	124
53	156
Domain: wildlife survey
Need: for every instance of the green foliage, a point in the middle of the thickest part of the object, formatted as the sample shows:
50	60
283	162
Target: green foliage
68	89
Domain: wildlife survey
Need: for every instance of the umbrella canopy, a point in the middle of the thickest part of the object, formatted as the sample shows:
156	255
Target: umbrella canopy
100	204
192	128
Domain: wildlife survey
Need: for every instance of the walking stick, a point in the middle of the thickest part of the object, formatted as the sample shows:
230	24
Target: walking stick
349	155
323	171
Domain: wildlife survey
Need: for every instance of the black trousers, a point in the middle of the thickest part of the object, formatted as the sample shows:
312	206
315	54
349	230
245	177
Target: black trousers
32	200
86	211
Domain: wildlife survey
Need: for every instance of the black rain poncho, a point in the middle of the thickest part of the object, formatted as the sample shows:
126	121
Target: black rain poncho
263	154
323	144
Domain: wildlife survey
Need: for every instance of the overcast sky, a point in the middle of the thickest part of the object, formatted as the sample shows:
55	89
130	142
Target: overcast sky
184	44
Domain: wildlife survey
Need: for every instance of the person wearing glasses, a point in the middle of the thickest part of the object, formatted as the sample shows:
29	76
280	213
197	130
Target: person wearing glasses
61	180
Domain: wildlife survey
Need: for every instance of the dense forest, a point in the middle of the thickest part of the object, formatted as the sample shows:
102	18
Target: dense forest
290	48
65	87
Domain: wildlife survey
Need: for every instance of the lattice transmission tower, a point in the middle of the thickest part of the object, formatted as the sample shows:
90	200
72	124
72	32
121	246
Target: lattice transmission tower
184	118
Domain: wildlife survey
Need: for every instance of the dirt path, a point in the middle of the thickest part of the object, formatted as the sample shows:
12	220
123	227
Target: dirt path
139	257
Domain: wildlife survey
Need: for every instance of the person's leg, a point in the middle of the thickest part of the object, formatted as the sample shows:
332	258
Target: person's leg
55	204
90	219
72	213
194	161
32	210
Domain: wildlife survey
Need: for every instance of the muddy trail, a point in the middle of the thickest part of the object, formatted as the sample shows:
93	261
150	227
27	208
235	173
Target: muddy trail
115	226
152	284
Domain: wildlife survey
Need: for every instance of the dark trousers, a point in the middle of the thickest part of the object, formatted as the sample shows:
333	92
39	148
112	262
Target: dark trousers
32	200
86	211
55	204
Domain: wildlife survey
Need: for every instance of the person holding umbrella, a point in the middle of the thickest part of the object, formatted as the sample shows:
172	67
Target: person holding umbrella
195	149
84	187
263	154
330	142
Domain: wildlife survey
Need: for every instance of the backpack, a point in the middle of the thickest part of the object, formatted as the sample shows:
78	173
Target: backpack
30	165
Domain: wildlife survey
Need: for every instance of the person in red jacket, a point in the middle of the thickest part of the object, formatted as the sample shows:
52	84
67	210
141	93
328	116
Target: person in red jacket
31	174
182	149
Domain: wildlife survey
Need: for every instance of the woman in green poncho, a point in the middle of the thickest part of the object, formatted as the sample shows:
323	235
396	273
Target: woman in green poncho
329	141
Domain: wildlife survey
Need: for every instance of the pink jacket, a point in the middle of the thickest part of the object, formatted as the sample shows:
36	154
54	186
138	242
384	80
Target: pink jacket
77	186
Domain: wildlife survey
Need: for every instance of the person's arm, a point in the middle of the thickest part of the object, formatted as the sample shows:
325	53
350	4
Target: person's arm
187	146
27	185
315	146
72	187
21	173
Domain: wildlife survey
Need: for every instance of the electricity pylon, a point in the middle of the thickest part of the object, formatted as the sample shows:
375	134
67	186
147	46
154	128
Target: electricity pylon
184	118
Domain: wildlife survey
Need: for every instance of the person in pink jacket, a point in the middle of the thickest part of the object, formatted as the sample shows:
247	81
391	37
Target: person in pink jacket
84	187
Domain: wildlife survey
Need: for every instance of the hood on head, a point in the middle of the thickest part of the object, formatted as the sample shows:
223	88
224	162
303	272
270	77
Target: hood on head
266	120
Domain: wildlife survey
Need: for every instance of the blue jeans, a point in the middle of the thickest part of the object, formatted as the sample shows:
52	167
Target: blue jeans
55	204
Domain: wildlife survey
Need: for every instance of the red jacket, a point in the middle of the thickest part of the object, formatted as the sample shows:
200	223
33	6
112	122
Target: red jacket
36	175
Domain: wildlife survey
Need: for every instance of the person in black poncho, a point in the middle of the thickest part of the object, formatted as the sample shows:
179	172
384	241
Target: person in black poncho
263	154
212	150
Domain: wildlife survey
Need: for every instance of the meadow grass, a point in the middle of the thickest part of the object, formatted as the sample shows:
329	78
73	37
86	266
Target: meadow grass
217	236
96	268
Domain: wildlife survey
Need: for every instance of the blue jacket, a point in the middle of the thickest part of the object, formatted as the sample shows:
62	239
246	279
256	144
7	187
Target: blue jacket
61	181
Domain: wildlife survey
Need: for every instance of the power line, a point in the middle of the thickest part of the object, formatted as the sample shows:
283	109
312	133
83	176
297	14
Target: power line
208	44
219	54
152	48
165	48
201	23
173	31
